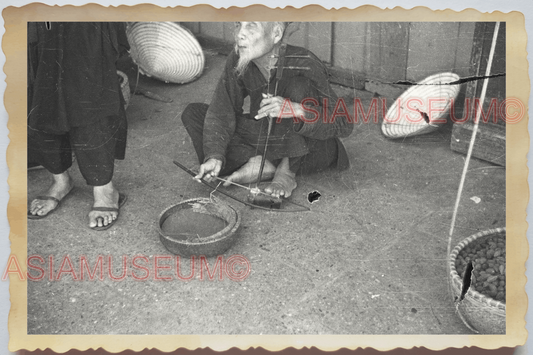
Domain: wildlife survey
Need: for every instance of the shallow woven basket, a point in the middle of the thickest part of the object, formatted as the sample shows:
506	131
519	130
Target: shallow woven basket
483	313
125	87
396	123
165	51
213	245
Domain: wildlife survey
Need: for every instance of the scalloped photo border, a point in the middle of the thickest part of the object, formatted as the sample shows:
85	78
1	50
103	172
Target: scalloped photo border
518	86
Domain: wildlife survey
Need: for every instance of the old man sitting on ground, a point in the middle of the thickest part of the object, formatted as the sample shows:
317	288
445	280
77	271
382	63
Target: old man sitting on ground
305	132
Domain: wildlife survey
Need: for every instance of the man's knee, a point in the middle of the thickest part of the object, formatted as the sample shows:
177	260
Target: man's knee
299	88
323	154
194	113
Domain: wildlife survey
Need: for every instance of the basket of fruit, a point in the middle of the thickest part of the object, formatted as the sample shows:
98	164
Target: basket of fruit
478	263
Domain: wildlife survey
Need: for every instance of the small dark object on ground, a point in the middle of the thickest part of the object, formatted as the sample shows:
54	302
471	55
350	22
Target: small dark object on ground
313	196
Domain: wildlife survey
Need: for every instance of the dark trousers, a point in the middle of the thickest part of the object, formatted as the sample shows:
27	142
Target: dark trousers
96	148
322	153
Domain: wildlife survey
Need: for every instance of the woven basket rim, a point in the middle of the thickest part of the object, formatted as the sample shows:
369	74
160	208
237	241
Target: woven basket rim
457	280
220	235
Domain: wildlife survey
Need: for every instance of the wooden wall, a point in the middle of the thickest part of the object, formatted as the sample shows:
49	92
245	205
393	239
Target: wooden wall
496	88
387	51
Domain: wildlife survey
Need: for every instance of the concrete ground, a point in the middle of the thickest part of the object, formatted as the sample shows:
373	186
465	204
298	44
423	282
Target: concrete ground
369	258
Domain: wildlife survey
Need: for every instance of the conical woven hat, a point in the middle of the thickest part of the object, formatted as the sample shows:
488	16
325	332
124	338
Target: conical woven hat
165	51
408	116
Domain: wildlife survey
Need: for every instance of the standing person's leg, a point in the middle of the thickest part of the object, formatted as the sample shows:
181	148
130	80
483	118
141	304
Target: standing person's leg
96	149
53	152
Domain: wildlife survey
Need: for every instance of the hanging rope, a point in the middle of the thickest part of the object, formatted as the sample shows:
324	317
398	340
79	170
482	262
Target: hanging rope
473	138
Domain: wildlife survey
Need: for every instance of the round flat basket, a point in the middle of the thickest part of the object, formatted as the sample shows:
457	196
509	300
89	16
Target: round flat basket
198	226
480	312
124	87
165	51
408	116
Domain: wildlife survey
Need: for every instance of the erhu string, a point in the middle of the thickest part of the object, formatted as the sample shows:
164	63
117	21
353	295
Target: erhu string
270	67
211	198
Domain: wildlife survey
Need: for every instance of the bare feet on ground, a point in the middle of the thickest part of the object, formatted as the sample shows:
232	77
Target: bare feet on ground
284	181
104	196
60	188
250	171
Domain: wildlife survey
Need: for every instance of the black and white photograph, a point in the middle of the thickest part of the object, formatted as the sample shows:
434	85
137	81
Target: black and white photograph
256	179
266	178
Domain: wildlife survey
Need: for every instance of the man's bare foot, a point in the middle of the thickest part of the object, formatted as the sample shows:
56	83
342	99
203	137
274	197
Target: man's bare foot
284	181
249	172
60	188
104	196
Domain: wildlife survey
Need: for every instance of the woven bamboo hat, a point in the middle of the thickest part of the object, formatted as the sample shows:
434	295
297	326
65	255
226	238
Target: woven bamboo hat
165	51
408	116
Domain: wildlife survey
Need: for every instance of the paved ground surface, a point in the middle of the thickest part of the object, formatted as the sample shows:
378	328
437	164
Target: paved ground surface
369	258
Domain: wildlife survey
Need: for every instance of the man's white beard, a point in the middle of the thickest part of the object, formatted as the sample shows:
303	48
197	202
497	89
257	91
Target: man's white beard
242	64
250	53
